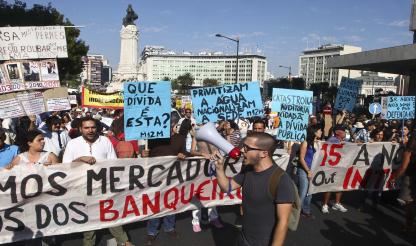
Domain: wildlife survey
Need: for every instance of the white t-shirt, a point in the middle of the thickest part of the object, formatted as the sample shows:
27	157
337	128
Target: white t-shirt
101	149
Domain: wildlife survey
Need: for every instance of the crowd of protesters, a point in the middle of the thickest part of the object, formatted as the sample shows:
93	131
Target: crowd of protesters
82	135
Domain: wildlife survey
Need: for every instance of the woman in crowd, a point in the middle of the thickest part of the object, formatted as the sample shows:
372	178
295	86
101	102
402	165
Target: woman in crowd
232	133
307	151
408	187
32	152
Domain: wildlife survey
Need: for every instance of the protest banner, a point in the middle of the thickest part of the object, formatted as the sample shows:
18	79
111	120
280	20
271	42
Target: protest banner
147	107
40	201
293	108
383	107
343	167
95	99
227	102
400	108
347	94
28	75
18	104
32	42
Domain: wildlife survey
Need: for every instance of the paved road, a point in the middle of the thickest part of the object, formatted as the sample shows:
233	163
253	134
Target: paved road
353	228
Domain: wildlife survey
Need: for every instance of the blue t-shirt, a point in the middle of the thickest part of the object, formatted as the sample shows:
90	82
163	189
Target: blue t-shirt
7	153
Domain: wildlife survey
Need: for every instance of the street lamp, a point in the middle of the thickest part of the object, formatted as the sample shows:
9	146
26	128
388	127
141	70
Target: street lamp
237	40
290	71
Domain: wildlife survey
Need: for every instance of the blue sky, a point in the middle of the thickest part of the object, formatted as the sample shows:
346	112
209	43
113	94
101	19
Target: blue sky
281	29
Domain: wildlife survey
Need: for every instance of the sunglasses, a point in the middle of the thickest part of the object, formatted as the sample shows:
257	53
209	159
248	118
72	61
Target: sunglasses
247	148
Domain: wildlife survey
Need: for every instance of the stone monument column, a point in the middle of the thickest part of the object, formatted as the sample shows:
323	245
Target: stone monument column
127	67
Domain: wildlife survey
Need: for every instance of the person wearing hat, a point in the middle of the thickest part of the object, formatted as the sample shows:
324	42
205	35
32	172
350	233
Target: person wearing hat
361	134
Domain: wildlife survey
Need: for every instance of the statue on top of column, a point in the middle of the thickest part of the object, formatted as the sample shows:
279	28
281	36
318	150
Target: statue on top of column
130	17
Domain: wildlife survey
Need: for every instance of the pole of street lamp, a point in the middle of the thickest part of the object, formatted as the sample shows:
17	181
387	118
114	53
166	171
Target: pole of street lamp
237	40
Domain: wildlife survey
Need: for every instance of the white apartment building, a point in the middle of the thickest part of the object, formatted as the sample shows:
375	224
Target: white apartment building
313	64
95	70
373	81
158	63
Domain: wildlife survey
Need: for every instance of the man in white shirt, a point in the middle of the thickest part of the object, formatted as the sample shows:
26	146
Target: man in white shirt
90	148
55	139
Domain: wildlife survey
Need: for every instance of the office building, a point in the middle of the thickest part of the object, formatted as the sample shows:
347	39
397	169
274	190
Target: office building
313	64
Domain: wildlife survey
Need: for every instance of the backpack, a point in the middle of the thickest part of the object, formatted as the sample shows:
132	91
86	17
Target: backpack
124	149
296	207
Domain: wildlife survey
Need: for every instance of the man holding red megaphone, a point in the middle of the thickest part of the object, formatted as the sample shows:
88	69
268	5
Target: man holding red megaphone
265	219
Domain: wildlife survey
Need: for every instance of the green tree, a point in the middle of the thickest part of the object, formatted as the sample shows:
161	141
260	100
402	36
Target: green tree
209	82
185	82
17	14
298	84
166	78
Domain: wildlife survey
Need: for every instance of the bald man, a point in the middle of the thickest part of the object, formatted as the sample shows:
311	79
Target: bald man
265	220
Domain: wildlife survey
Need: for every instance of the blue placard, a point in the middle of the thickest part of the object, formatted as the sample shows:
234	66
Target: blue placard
347	94
374	108
400	108
293	107
147	107
227	102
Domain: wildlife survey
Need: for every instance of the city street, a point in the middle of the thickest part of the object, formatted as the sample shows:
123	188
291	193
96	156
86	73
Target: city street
352	228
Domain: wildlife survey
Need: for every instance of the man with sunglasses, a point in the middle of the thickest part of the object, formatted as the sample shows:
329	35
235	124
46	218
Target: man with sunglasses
265	220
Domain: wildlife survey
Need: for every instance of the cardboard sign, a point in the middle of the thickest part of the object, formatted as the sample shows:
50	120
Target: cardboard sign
147	107
342	167
293	108
227	102
32	42
347	94
18	104
28	75
400	108
95	99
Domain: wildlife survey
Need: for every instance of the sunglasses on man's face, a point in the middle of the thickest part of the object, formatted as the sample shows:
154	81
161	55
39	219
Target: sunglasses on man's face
247	148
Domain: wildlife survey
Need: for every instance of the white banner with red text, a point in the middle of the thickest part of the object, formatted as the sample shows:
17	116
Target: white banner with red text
38	201
350	166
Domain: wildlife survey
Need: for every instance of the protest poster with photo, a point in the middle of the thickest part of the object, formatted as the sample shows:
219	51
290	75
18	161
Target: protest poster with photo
28	75
400	108
17	104
226	102
95	99
147	107
32	42
75	197
293	108
343	167
347	94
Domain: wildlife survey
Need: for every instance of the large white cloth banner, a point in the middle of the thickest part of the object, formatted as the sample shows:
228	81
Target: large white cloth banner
61	199
342	167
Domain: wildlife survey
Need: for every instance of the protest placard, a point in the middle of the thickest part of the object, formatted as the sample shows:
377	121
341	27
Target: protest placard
342	167
147	107
347	94
227	102
32	42
17	104
59	199
383	107
56	99
28	75
95	99
293	108
400	108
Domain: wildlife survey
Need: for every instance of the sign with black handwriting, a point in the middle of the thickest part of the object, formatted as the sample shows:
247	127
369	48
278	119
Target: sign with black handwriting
227	102
347	94
147	107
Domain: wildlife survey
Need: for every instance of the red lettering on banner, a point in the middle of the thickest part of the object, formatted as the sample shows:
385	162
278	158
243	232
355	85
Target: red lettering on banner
347	178
222	194
171	205
239	195
357	179
155	207
107	210
183	194
332	153
130	202
200	190
214	189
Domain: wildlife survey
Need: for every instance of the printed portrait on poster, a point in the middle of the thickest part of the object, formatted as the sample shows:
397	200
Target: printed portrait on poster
49	70
2	76
31	71
13	71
